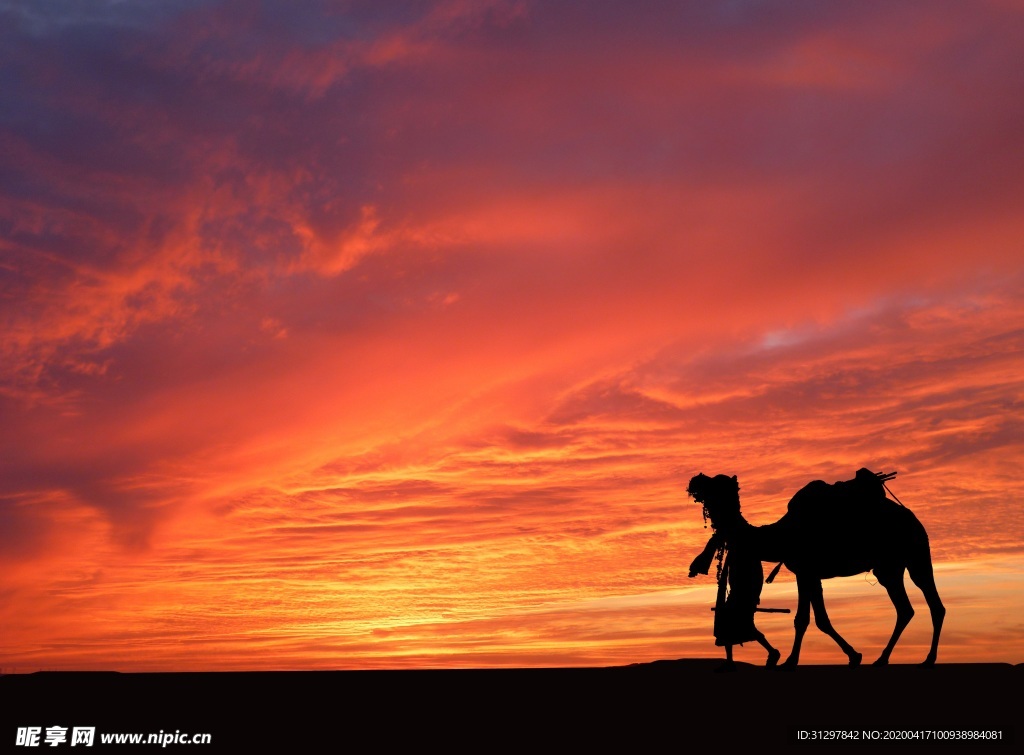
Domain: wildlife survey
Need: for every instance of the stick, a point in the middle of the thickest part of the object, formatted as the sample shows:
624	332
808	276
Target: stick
765	610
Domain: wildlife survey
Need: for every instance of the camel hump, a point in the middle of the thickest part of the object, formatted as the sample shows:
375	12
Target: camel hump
809	497
866	488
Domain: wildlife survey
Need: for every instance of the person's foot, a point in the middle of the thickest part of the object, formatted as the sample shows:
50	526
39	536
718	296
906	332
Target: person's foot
726	667
773	658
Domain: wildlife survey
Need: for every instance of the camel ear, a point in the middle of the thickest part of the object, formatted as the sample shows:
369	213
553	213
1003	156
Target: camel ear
734	478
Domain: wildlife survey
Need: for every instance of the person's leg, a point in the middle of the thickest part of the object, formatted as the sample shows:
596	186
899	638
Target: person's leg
728	665
773	654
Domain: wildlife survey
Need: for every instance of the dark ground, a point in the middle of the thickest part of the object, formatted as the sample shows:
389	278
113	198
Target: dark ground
668	705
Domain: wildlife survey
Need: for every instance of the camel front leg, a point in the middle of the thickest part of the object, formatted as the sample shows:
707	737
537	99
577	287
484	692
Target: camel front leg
800	623
823	623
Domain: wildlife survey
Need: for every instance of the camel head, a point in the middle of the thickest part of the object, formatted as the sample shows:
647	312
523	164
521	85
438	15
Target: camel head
720	496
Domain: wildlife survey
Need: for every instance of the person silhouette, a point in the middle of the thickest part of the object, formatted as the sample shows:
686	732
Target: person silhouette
740	579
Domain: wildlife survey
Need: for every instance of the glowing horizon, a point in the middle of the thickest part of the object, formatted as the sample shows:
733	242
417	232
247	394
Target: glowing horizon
362	337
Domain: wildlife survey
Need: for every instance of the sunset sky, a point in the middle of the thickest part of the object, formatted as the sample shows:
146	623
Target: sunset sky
345	335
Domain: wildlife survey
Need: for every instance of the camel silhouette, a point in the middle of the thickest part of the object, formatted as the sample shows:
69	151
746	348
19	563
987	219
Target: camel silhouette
831	531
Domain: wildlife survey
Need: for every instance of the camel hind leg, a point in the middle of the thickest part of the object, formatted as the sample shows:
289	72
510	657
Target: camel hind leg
892	581
922	576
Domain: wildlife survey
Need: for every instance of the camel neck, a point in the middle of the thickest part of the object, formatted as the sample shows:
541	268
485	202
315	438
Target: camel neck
768	541
733	526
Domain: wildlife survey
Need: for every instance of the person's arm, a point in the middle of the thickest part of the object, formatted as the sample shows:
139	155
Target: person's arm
702	564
